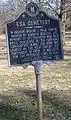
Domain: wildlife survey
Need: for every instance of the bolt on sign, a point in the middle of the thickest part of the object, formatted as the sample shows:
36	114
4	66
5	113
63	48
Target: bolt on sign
33	36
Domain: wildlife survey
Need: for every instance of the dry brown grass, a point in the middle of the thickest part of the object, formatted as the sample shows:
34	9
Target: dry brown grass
17	90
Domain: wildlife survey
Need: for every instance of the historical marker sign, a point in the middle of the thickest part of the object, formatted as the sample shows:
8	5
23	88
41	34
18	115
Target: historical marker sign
33	36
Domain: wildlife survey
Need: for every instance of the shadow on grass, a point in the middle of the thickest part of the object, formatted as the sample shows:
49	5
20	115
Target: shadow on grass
51	103
13	111
52	106
8	112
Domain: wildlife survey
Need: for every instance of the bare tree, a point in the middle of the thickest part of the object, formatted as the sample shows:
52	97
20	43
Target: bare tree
59	8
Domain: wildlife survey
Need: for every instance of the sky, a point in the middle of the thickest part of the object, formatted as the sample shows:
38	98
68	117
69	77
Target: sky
4	0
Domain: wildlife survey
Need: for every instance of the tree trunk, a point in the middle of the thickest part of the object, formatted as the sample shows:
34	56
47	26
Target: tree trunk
62	22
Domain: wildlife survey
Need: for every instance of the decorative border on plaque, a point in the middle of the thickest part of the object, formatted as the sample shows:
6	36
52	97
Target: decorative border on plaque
32	9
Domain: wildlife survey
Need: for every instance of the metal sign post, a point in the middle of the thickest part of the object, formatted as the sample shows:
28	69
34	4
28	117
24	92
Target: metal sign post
37	67
34	36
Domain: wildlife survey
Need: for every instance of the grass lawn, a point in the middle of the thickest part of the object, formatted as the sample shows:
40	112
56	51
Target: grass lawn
18	91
